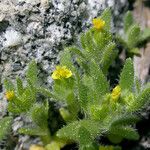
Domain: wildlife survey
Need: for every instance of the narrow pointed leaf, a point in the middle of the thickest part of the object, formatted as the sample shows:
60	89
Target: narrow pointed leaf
128	21
31	73
106	16
20	88
133	36
127	76
9	86
5	126
125	132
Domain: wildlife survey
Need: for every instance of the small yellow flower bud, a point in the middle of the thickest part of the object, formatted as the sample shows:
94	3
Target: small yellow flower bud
9	95
116	93
36	147
98	23
61	72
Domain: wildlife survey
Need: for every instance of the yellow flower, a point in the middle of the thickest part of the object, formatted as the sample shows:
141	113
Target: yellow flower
9	95
98	23
116	93
61	72
36	147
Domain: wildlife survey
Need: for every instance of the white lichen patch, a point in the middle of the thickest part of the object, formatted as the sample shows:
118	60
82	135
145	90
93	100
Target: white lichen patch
44	3
34	2
12	38
3	106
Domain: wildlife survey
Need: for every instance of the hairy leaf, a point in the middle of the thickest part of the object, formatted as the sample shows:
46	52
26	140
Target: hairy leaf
128	21
5	126
82	92
20	88
125	120
71	130
31	73
101	85
133	36
142	99
125	132
39	115
9	85
106	16
84	136
32	131
76	51
108	57
127	76
145	35
65	59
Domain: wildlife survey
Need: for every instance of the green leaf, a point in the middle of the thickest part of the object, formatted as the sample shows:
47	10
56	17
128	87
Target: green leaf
108	57
76	51
115	139
22	103
125	132
121	41
20	88
125	120
13	108
84	136
9	85
100	82
71	130
128	21
65	59
45	92
5	126
135	51
73	106
89	146
82	92
106	16
32	131
27	99
39	115
137	85
145	35
63	88
89	50
99	112
142	99
82	40
133	36
102	39
127	76
31	73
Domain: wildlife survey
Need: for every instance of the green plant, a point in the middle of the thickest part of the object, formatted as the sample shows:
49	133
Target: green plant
89	106
133	37
5	126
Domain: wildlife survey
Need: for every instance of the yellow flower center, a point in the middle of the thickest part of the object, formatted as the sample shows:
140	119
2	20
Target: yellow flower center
116	92
36	147
61	72
9	95
98	23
